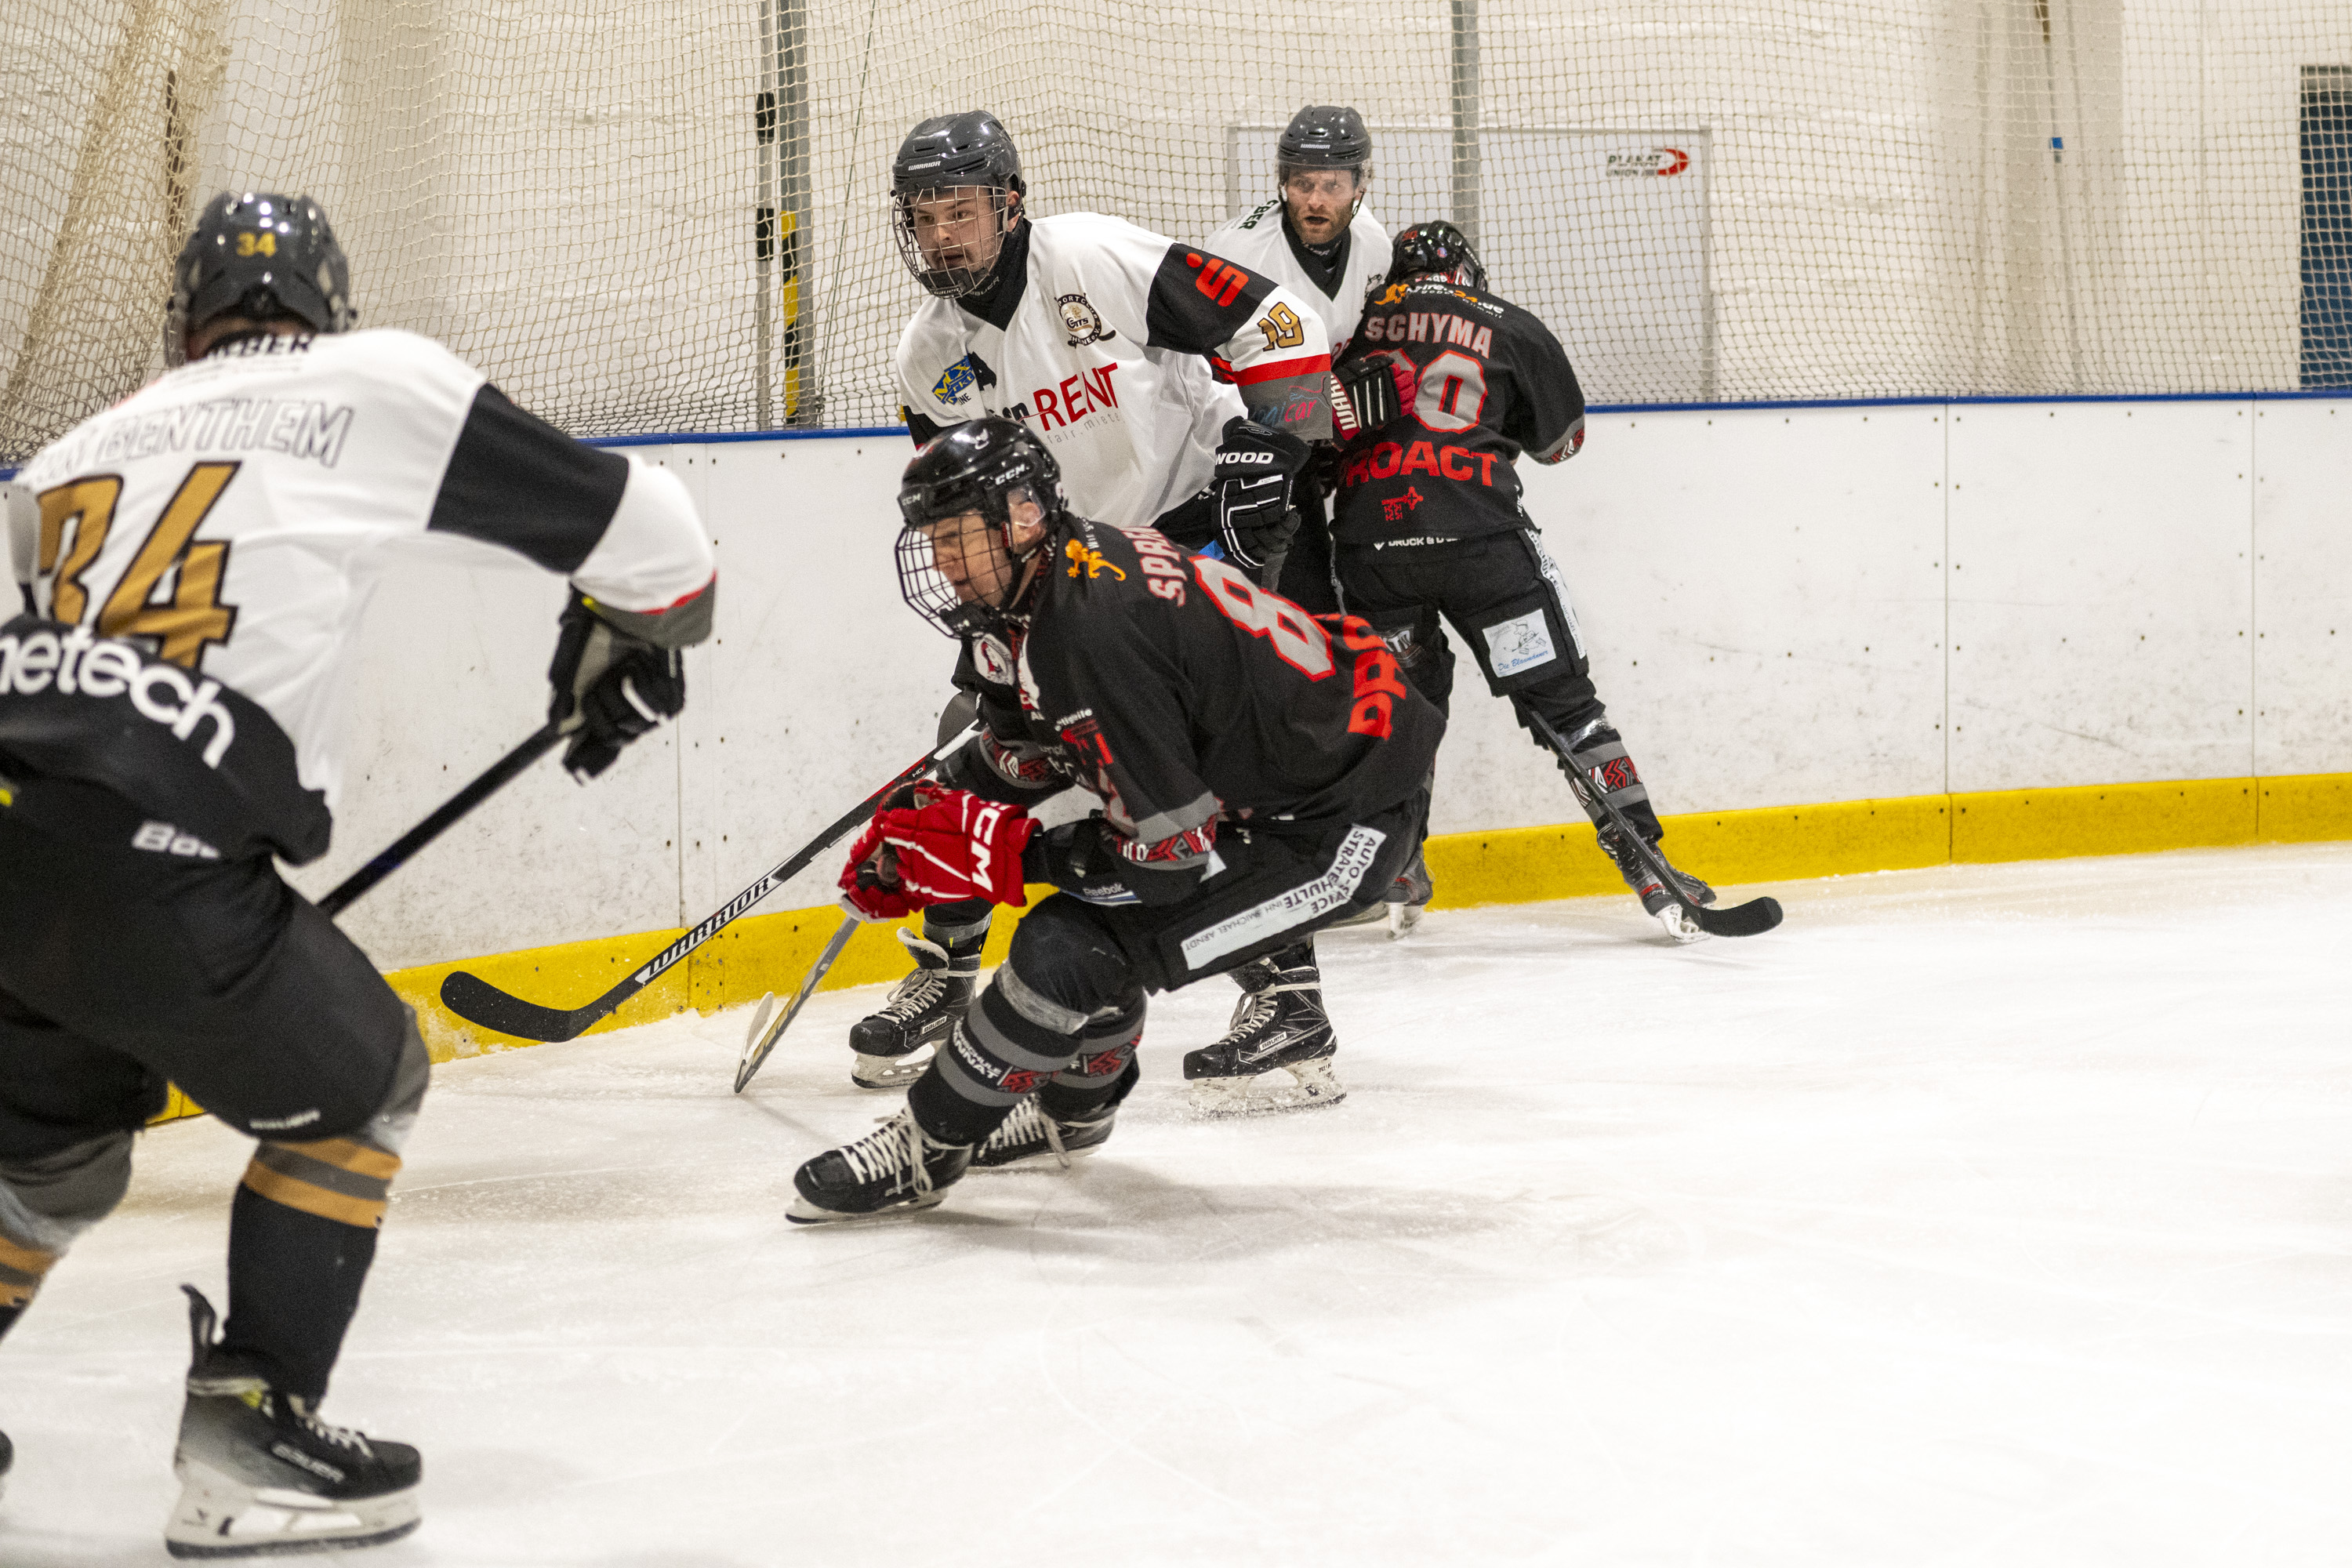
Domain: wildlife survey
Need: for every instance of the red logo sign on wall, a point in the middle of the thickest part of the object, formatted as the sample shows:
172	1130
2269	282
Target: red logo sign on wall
1662	161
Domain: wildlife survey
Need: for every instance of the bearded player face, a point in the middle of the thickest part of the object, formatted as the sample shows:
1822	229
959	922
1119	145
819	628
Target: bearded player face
1321	202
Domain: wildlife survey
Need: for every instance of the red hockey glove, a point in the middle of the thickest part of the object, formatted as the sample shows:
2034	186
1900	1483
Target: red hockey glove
869	884
954	845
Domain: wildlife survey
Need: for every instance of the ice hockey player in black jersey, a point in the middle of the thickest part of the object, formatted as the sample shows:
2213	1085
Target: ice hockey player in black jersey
1450	385
1173	387
194	563
1259	774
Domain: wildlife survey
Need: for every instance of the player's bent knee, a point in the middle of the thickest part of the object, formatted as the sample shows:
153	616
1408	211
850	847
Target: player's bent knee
1062	954
45	1202
349	1179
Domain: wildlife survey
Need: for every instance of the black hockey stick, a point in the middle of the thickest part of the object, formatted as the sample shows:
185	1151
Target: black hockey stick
1751	919
762	1038
478	1001
348	890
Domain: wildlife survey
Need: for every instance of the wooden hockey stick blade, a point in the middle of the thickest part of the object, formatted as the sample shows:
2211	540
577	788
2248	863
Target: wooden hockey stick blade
1751	919
755	1050
478	1001
760	1019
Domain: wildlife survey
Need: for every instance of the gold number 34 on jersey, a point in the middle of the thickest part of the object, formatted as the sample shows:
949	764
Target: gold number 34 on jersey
187	621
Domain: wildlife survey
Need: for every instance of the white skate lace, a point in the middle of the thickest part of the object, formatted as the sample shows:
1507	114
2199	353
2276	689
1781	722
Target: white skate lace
1028	1122
880	1155
325	1432
916	993
1261	1011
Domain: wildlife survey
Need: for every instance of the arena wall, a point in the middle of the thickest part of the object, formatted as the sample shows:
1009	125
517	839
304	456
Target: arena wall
1829	633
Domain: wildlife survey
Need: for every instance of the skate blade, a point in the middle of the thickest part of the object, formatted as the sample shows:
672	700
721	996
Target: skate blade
217	1516
892	1072
1301	1085
1372	916
1679	925
804	1212
1402	918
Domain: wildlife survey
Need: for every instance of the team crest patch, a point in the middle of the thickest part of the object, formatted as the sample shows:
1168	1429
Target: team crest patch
955	384
1082	321
993	659
1090	562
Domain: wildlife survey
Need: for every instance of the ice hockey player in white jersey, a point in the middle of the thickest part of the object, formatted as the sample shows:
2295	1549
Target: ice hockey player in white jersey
1175	389
1314	235
1131	355
194	561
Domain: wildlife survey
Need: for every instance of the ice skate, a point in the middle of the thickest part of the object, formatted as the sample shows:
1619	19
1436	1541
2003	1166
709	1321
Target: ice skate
261	1476
1661	903
895	1169
1408	896
895	1044
1277	1055
7	1457
1032	1136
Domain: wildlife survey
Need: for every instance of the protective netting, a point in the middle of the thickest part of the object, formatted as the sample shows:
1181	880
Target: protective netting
656	215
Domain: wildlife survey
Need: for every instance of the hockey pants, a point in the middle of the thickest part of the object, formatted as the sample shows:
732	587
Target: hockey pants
123	968
1504	597
1063	1015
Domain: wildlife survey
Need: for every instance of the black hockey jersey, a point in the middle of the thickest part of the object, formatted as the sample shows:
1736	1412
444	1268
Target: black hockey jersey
1490	381
1184	695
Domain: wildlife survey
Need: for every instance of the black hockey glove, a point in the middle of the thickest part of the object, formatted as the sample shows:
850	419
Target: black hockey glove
1363	395
610	687
1254	467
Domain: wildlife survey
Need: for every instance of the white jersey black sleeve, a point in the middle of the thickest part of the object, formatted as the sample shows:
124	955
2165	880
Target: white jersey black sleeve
230	520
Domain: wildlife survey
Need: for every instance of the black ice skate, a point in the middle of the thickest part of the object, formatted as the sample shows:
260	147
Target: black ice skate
895	1044
1277	1055
1658	901
261	1476
1031	1135
898	1168
7	1457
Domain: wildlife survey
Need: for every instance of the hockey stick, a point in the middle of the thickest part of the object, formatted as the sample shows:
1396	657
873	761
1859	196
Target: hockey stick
1751	919
760	1041
478	1001
348	890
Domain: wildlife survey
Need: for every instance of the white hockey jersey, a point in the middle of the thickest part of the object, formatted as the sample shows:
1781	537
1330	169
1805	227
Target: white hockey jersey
1126	352
231	517
1261	242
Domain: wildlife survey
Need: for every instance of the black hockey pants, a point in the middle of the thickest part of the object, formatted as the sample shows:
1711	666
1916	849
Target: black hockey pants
1062	1017
122	967
1503	596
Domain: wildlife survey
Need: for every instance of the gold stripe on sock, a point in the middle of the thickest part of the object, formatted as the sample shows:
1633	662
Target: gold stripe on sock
21	1269
363	1214
351	1155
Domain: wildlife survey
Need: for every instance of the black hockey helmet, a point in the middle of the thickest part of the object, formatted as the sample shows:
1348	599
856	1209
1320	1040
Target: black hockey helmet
967	152
982	466
1435	246
1324	136
265	256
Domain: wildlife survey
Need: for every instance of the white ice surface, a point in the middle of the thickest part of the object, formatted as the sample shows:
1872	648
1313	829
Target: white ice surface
1981	1215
